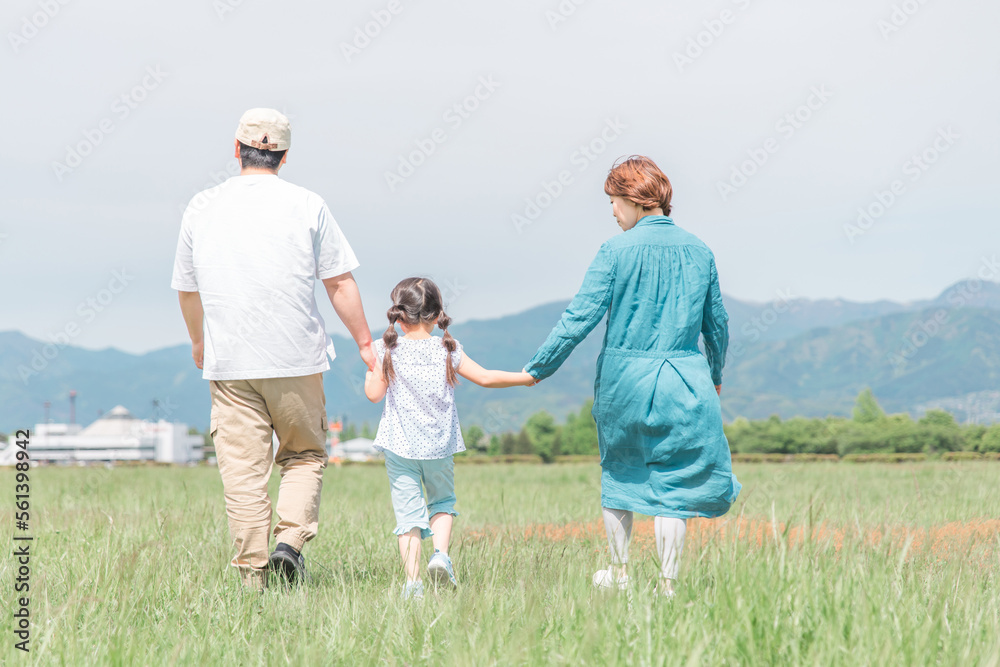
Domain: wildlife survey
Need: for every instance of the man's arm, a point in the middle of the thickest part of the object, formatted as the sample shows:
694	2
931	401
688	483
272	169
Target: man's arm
346	300
194	317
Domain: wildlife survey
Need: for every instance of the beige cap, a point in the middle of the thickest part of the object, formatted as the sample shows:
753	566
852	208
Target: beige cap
267	129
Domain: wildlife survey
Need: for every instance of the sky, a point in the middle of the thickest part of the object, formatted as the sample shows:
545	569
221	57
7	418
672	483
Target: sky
822	150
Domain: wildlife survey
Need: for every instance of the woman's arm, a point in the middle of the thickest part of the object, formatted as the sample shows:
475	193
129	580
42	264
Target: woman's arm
715	328
581	316
473	372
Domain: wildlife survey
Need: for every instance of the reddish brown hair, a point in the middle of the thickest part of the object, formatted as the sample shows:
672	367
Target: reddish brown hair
416	300
639	180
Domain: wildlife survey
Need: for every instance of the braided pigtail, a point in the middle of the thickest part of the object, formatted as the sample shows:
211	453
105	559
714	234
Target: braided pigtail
451	345
389	338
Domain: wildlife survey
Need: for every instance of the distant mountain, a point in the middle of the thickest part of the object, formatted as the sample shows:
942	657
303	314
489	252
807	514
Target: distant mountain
908	359
32	372
787	357
787	315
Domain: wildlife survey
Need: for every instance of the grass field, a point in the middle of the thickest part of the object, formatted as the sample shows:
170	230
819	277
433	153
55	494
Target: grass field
818	564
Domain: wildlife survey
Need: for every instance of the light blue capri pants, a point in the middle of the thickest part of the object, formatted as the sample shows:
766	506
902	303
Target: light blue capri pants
408	500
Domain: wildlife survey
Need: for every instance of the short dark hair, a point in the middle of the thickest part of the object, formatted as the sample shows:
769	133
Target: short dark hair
257	158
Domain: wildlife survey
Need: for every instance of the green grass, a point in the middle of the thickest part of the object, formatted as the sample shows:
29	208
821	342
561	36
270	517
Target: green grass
130	568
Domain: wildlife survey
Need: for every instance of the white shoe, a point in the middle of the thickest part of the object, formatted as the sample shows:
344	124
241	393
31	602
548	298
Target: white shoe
441	570
413	590
663	591
605	580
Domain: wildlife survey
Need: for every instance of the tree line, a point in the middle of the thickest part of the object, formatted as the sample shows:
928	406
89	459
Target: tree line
540	436
869	430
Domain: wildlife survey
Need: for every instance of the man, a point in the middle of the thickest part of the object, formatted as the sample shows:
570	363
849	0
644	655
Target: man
247	259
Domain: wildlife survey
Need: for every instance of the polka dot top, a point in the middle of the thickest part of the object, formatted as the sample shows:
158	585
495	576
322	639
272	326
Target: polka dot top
419	419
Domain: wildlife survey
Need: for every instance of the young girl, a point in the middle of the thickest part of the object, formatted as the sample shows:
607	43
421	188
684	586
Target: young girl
419	431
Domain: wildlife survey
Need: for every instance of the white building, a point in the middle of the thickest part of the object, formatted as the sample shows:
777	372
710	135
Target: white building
116	436
356	449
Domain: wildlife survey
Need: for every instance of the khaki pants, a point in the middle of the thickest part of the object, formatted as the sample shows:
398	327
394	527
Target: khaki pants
244	415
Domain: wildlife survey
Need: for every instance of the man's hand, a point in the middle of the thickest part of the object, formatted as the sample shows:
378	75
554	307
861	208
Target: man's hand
346	300
194	318
368	355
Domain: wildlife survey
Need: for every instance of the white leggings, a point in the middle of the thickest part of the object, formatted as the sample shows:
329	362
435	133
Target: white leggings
669	539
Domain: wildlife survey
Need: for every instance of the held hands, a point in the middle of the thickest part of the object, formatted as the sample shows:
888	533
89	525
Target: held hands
367	353
527	379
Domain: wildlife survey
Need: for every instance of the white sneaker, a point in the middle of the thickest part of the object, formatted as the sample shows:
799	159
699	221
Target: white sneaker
605	580
413	590
441	570
664	592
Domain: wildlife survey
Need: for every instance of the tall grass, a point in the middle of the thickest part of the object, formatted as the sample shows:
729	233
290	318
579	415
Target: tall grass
130	568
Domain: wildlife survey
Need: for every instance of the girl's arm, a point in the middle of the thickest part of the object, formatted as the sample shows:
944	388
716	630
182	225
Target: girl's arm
375	385
473	372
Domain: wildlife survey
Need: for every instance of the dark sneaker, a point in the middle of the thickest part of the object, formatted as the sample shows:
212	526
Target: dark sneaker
287	564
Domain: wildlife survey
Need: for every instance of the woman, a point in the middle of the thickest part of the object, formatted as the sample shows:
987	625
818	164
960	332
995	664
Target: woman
659	421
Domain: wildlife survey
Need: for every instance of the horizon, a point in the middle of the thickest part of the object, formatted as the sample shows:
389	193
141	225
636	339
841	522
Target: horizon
343	334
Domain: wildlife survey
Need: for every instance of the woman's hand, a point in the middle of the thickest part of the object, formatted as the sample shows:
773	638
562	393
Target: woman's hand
718	389
529	379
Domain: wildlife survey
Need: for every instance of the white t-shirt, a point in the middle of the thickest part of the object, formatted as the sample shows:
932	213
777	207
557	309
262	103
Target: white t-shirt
419	419
253	248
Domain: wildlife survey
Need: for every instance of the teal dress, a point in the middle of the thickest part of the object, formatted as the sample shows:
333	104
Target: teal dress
659	421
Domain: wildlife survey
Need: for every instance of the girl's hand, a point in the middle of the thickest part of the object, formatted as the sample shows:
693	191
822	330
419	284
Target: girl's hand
529	380
375	386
